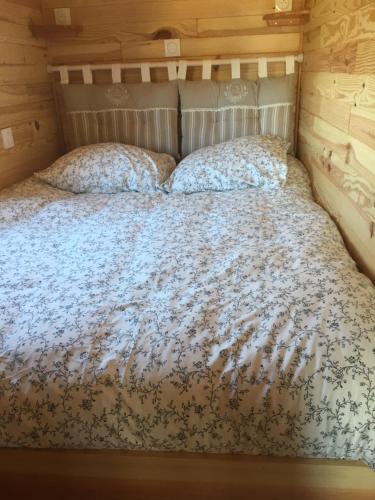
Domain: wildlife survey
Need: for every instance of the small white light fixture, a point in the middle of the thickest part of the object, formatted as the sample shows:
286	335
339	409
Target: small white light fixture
172	47
283	5
62	17
7	138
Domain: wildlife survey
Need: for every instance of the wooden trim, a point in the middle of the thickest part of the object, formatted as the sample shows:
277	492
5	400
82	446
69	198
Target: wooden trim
53	31
139	475
298	100
292	18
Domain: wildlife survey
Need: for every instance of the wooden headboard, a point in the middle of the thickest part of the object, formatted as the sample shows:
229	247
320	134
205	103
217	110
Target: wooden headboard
248	68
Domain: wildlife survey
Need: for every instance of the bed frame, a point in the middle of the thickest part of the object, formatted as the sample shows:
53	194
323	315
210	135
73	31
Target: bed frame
66	74
62	474
53	474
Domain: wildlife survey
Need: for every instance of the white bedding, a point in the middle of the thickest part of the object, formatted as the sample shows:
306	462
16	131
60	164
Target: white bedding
219	322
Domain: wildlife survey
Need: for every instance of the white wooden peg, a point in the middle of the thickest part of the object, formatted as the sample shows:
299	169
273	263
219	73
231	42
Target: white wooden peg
182	70
262	68
116	73
207	70
145	72
290	64
172	70
87	75
236	68
64	75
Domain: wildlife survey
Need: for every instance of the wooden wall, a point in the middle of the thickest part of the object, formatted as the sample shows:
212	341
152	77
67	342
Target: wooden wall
26	102
337	128
115	30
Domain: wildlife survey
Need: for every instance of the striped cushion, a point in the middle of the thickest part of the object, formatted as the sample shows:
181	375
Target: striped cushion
276	100
143	115
216	112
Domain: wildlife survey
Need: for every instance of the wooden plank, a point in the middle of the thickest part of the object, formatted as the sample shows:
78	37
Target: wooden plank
355	229
136	9
25	93
44	127
20	162
349	58
215	46
20	73
337	131
111	474
332	111
365	57
14	95
123	31
14	53
331	139
85	53
13	115
362	125
328	10
18	13
346	178
357	25
242	25
18	33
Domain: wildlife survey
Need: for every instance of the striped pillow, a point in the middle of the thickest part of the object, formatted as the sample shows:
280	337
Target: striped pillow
143	115
216	112
276	101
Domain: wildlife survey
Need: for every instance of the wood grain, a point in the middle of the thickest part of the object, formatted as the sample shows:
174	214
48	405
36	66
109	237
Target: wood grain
113	475
124	30
337	128
26	101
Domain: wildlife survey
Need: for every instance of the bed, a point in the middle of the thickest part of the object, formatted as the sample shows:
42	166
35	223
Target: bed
231	322
159	345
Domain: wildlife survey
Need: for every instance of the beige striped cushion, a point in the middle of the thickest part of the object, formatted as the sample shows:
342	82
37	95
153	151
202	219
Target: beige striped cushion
216	112
143	115
276	100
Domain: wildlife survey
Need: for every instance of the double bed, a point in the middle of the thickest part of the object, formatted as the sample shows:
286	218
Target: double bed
192	332
219	322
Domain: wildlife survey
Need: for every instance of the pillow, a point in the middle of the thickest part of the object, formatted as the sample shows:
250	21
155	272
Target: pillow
214	112
276	100
142	114
109	168
245	162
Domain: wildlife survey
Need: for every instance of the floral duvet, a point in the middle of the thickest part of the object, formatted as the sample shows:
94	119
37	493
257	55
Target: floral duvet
210	322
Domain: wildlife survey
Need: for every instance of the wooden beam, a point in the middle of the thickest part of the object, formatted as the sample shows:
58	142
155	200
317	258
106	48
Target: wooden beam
138	475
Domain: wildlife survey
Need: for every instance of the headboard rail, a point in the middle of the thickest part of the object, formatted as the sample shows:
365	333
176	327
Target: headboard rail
177	69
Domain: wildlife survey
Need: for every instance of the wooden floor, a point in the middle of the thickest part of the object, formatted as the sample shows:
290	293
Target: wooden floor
32	474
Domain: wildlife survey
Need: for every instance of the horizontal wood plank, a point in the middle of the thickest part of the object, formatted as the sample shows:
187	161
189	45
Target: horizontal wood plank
26	102
113	475
337	127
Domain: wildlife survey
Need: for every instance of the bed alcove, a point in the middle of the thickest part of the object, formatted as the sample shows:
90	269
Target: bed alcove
329	46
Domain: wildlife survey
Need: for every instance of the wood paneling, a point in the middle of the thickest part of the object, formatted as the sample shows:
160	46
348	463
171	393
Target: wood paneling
26	101
111	475
337	127
114	30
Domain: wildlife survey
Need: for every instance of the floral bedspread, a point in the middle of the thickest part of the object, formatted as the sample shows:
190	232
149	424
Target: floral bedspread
211	322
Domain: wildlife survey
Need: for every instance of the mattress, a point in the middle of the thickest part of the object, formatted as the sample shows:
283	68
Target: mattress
231	322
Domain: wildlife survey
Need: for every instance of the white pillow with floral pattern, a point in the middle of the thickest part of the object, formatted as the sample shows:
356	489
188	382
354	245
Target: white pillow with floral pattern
109	168
254	161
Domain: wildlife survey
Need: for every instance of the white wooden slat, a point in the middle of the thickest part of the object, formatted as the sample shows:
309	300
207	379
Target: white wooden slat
116	73
290	64
262	68
172	70
236	68
207	70
145	72
87	75
181	66
182	70
64	75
